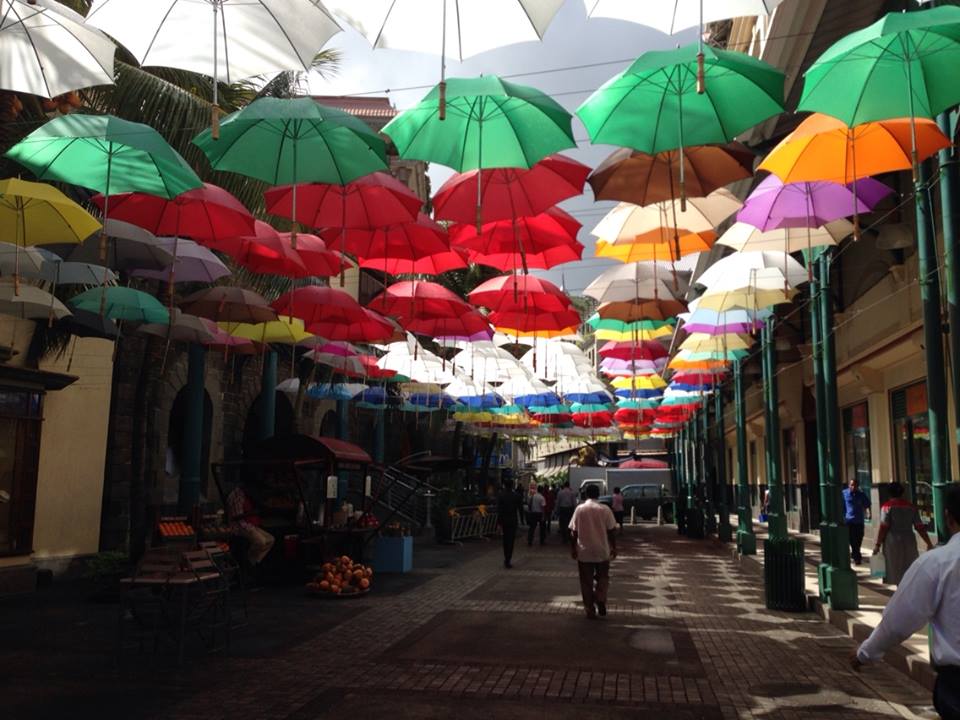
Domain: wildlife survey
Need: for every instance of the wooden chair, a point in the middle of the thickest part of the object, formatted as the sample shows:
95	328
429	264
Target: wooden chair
142	600
208	610
235	579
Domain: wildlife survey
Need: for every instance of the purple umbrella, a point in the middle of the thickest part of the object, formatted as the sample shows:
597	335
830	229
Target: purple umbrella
712	322
773	205
193	263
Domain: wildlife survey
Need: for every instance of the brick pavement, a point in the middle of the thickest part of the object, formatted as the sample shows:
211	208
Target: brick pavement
687	636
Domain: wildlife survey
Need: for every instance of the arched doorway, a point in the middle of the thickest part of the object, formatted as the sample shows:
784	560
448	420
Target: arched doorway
174	458
283	418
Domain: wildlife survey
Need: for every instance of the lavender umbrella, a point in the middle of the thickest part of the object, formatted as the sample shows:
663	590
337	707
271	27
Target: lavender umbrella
774	205
713	322
193	263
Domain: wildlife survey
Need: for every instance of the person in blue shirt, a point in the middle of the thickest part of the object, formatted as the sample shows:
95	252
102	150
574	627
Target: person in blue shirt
856	508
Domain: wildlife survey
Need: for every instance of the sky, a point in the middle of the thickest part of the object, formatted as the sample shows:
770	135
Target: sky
578	55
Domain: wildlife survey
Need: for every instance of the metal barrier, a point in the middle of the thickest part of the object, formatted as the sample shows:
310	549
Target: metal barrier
471	522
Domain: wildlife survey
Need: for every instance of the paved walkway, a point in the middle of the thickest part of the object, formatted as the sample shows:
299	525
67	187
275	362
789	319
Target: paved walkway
687	636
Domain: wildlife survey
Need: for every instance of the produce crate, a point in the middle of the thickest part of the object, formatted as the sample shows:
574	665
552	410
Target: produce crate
393	554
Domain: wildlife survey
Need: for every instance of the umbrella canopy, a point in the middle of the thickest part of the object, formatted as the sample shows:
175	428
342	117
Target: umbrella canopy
192	263
468	326
402	241
507	193
433	264
181	328
25	261
701	342
537	241
674	15
294	140
774	205
39	214
654	105
633	281
49	50
227	41
659	309
743	237
30	303
267	252
371	201
761	288
655	223
520	293
284	330
892	69
642	350
333	314
104	153
824	148
228	304
730	321
666	247
76	273
418	299
456	30
642	179
131	248
207	214
122	303
489	123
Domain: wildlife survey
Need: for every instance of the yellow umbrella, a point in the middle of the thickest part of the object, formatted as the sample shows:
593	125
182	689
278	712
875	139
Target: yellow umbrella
701	342
656	248
639	382
284	330
633	335
38	214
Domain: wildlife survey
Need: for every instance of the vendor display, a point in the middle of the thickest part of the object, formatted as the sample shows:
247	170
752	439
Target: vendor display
342	577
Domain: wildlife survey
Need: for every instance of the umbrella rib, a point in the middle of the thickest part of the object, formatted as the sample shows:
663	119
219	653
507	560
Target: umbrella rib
33	46
156	32
51	18
283	32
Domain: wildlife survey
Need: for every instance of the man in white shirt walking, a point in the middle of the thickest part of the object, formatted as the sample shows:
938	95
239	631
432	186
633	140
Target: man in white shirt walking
928	593
536	503
593	545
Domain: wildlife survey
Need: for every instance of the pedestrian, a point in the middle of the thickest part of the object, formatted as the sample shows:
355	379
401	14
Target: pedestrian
245	523
566	502
508	514
856	509
616	504
521	516
593	545
535	506
928	594
550	495
898	519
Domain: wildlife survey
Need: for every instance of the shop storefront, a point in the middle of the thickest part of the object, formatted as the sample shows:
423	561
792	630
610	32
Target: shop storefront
20	424
911	446
856	446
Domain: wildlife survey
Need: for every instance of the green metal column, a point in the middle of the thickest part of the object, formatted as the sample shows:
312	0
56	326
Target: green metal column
191	470
380	436
680	511
746	540
724	531
838	583
929	275
694	509
268	396
777	519
343	420
707	472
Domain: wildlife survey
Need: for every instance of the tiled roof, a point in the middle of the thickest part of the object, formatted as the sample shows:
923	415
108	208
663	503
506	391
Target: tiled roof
363	107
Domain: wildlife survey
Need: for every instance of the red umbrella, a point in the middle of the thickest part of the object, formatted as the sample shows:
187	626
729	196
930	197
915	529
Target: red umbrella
468	326
370	201
644	464
266	252
510	192
418	299
435	264
208	214
697	378
641	350
542	323
520	239
538	261
407	240
333	314
523	293
593	420
320	261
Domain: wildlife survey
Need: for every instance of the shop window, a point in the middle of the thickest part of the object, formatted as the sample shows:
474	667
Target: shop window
856	446
20	423
911	446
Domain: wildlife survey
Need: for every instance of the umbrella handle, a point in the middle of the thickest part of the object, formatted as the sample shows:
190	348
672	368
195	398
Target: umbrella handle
442	113
215	121
701	80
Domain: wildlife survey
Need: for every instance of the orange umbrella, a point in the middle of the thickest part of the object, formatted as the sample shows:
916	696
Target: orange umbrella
661	248
824	148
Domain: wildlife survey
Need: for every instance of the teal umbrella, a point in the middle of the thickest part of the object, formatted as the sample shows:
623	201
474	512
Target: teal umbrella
105	153
490	123
122	303
654	106
904	65
292	141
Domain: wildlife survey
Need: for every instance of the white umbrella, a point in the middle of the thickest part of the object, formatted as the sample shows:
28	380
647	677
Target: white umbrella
761	289
28	259
741	236
451	28
47	50
701	342
739	268
182	328
487	363
77	273
632	281
626	222
674	15
29	303
226	40
132	248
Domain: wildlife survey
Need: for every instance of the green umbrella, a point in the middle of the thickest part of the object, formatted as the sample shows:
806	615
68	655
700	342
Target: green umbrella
296	140
490	123
105	153
904	65
654	106
122	303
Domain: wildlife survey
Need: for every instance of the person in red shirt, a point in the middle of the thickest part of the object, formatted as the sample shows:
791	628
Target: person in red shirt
245	522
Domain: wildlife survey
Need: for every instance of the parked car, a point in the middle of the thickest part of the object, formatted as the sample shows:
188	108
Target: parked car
646	499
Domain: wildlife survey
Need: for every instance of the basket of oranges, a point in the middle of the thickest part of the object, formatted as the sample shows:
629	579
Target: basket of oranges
341	578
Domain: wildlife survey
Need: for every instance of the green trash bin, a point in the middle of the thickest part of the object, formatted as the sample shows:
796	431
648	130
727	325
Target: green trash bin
783	577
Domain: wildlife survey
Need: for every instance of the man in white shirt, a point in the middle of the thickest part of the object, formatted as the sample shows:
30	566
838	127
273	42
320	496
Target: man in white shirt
536	503
928	593
593	545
